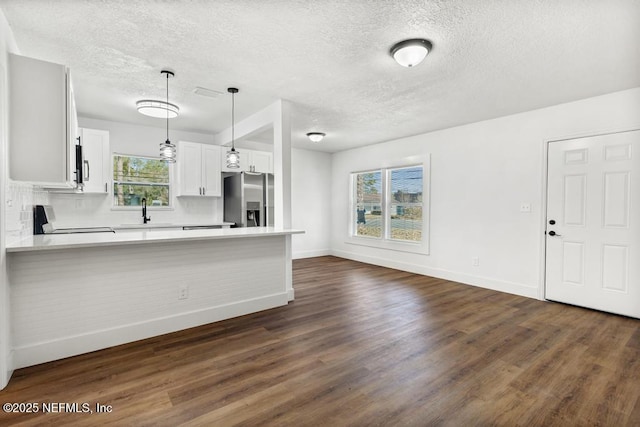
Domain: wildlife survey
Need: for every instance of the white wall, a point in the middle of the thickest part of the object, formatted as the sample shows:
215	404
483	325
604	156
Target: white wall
480	173
7	44
76	210
311	202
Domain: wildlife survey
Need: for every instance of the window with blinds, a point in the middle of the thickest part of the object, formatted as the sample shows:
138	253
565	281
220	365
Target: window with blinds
388	204
135	178
368	198
405	204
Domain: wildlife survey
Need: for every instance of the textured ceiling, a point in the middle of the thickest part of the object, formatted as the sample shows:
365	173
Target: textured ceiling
330	59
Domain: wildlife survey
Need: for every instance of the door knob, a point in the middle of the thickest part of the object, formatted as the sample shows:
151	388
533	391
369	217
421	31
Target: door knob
552	222
553	233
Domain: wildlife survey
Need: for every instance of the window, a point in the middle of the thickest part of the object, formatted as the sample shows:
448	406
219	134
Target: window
135	178
388	208
405	215
369	204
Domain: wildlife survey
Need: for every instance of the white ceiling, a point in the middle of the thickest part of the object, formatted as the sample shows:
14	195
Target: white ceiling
330	59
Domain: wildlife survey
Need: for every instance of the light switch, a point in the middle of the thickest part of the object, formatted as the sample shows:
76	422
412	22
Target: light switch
525	207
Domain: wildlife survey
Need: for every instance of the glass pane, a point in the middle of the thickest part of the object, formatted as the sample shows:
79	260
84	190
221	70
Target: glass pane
140	170
406	204
132	194
135	178
369	204
406	222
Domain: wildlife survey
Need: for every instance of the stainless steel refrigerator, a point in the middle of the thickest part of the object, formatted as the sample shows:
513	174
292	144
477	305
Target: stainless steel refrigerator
248	199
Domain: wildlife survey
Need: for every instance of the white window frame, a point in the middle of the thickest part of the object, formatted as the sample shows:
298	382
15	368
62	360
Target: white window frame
385	242
149	207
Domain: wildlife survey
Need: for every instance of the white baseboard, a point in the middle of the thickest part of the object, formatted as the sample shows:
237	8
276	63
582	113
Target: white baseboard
467	279
311	254
71	346
5	375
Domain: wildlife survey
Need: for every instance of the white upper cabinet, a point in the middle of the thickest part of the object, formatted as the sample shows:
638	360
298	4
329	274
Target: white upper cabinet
96	157
250	161
43	123
189	164
211	174
199	170
262	161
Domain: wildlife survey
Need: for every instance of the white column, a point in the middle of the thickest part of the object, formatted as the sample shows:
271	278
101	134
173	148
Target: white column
278	117
282	163
282	180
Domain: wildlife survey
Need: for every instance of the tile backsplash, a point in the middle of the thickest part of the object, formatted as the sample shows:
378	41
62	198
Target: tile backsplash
87	210
19	210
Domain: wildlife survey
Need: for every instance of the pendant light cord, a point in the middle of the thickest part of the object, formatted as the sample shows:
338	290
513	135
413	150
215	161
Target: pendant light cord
167	108
233	110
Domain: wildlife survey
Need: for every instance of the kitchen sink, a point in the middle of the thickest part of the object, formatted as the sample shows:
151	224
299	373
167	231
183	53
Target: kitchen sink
150	226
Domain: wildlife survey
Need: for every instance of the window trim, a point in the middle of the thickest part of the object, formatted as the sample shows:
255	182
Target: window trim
170	207
385	242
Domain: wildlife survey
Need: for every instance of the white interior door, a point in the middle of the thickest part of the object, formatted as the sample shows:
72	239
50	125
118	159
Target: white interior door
593	230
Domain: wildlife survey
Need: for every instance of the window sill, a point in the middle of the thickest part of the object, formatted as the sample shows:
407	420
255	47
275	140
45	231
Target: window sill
394	245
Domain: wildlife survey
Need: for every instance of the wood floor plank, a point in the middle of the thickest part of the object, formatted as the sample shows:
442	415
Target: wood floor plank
360	346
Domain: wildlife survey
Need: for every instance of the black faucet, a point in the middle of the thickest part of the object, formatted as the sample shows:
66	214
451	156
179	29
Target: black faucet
144	211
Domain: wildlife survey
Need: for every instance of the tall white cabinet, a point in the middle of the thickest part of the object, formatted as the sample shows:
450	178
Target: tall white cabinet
96	157
199	171
43	123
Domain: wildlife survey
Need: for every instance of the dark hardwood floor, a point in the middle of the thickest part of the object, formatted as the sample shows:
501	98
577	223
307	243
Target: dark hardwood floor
361	346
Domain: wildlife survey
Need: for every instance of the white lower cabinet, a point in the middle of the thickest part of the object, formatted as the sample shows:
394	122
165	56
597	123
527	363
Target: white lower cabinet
199	170
95	163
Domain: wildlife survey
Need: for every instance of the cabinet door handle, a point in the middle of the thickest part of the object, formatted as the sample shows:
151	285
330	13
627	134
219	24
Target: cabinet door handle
204	191
106	188
200	190
87	169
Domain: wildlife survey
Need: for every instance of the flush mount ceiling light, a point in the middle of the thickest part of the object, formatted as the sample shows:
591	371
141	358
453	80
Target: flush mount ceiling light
167	149
316	136
233	157
159	109
410	53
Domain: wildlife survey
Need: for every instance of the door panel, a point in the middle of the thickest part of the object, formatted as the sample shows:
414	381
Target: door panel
573	263
616	199
593	210
614	267
575	198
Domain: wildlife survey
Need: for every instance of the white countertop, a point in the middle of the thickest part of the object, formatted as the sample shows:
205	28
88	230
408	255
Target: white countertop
130	237
141	226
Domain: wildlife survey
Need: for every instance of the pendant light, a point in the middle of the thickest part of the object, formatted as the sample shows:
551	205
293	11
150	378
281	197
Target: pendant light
167	149
233	157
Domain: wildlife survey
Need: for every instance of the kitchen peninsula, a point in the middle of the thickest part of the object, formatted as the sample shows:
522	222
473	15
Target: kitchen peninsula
75	293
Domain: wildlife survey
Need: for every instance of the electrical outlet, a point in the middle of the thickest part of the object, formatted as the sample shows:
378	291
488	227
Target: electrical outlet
183	292
475	261
525	207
